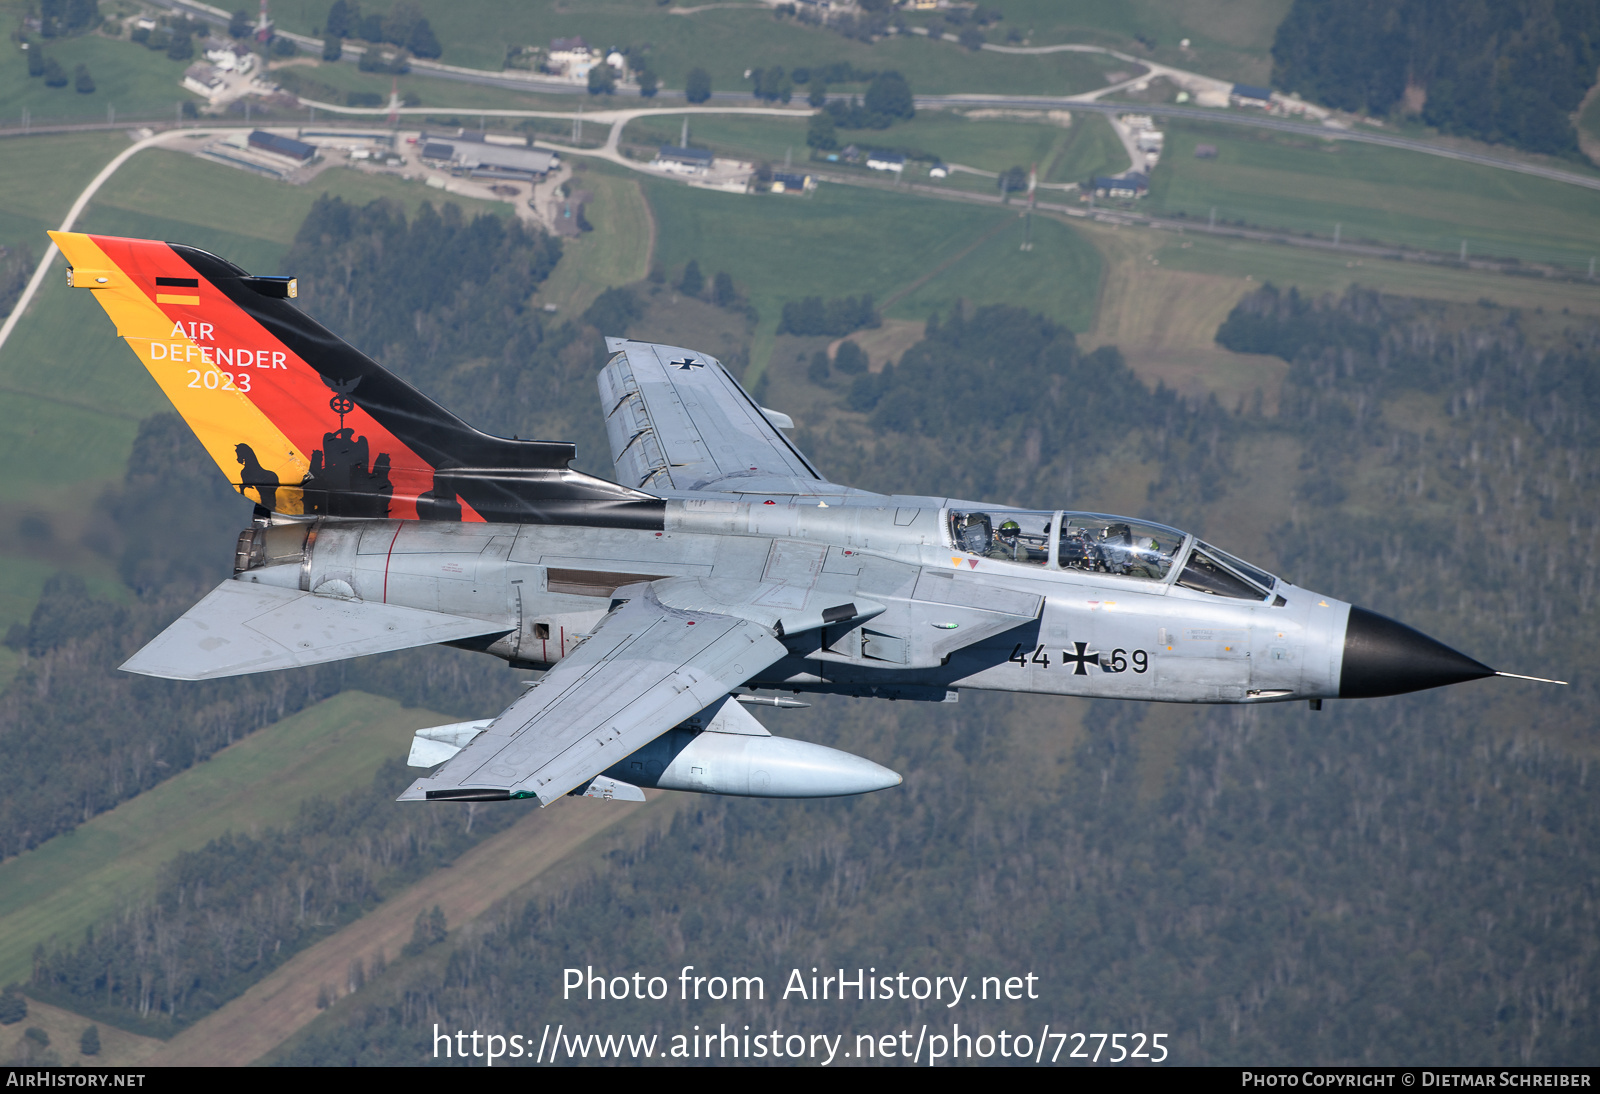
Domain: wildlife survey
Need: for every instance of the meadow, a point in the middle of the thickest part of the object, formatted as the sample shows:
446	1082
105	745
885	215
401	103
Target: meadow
726	40
1387	195
139	83
861	240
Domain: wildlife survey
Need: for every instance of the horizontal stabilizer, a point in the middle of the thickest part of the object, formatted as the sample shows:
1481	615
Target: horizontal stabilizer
241	627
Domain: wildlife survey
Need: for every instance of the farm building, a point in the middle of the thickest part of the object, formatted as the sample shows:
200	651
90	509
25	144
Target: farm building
1245	95
262	141
683	161
1132	185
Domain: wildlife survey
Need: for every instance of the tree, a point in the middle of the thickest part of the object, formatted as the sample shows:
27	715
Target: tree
332	48
82	15
370	28
697	88
817	372
648	84
82	80
13	1007
819	93
182	47
423	42
344	19
36	60
238	27
1012	179
889	96
89	1043
850	359
602	80
972	38
284	47
822	132
54	74
722	292
693	282
401	21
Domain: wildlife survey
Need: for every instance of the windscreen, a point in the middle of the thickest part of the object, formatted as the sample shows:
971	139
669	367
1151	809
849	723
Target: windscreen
1205	573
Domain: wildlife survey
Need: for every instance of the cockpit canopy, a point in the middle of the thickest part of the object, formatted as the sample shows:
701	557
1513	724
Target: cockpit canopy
1104	544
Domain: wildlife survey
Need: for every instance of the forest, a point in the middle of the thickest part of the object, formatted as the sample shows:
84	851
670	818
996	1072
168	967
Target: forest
1508	71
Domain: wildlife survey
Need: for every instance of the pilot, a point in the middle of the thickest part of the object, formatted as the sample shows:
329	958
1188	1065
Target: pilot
1008	543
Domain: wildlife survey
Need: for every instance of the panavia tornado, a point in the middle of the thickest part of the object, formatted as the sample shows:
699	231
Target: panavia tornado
721	562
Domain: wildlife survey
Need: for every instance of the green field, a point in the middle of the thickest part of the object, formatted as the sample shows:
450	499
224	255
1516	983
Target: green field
1068	153
1322	271
1059	276
846	240
303	77
63	885
617	252
1380	194
1230	39
138	82
726	41
40	178
1093	150
748	137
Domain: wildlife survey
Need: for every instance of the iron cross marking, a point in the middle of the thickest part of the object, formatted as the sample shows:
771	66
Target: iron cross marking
1082	658
686	364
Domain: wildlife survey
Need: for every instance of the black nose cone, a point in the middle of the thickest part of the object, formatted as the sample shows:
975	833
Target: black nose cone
1382	657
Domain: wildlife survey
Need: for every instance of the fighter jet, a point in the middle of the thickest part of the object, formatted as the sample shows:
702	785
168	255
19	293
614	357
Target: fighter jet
721	563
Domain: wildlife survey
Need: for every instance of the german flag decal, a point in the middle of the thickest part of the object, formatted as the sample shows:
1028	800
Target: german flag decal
306	424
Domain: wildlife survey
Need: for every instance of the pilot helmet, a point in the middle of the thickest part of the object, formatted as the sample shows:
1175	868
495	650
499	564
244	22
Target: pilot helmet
1010	530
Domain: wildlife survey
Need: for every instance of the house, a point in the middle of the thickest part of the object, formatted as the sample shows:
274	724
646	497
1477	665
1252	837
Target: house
792	182
938	171
1245	95
683	161
1149	140
886	161
203	79
571	56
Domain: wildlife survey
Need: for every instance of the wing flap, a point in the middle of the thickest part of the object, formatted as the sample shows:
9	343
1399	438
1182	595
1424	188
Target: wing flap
647	668
241	628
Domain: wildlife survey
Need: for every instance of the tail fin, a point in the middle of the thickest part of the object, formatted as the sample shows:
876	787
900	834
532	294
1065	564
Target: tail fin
307	424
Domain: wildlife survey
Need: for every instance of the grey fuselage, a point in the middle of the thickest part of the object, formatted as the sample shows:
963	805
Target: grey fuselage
925	618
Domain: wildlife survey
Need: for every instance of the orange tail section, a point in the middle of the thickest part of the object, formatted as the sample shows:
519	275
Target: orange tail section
306	424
